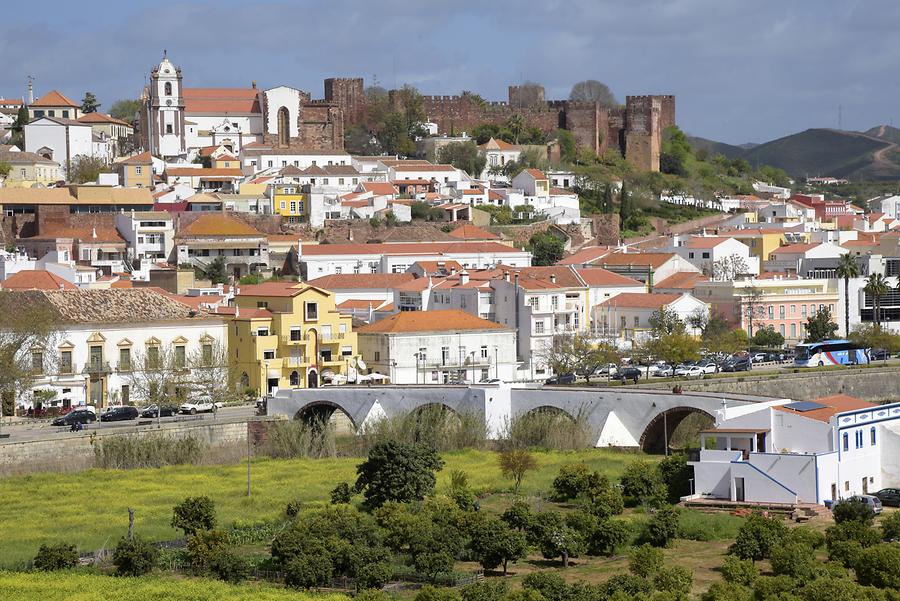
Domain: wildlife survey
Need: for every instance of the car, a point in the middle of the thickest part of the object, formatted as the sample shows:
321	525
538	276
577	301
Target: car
758	358
709	366
561	379
682	368
78	416
691	371
737	364
888	496
879	354
628	373
119	413
607	370
196	407
663	371
872	501
154	411
491	381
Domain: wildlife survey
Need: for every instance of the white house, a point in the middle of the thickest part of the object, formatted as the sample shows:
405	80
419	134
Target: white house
256	158
60	140
438	347
497	154
148	234
717	256
890	205
803	452
627	315
787	258
105	334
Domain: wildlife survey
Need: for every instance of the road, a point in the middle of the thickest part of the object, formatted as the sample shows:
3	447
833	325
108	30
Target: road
21	430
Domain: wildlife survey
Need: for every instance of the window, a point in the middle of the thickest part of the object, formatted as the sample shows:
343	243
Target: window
705	255
262	331
152	357
206	352
484	352
872	436
262	305
802	310
180	358
690	255
445	355
138	170
65	362
533	302
167	89
845	438
771	311
554	303
312	311
168	128
793	330
124	359
377	356
37	362
293	206
539	327
296	334
126	394
859	439
422	355
793	309
781	330
338	270
781	311
270	354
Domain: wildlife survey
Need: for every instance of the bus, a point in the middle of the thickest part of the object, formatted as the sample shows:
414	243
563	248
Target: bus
830	352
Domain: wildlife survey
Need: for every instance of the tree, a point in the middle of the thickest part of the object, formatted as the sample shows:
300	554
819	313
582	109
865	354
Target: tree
591	90
213	376
626	208
89	103
465	156
853	510
203	544
516	125
757	537
726	268
134	557
645	561
674	348
642	483
61	556
158	375
676	474
194	514
84	169
820	326
609	537
590	356
873	336
665	321
215	271
546	249
341	494
494	543
514	463
608	204
663	527
877	288
18	127
879	566
847	268
309	570
567	145
752	306
739	571
28	325
5	168
394	471
768	338
125	110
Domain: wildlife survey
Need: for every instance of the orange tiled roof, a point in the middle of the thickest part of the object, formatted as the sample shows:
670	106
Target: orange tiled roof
410	248
203	172
54	98
272	289
36	279
495	144
380	188
145	158
536	173
361	303
448	320
683	280
217	225
836	403
597	276
221	100
641	300
795	248
101	118
473	232
654	260
706	241
344	281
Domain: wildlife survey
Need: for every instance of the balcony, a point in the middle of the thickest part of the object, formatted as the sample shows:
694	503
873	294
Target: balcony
290	341
296	361
333	337
96	368
454	364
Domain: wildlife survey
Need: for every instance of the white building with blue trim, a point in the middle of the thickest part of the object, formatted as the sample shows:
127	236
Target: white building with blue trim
799	452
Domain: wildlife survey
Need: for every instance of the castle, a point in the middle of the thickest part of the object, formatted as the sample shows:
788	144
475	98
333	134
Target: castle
635	130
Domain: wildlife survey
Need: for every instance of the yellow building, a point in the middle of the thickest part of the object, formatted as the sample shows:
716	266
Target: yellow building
27	169
226	161
136	171
289	335
289	201
764	240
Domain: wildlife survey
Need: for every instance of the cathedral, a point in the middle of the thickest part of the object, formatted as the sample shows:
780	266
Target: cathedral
176	122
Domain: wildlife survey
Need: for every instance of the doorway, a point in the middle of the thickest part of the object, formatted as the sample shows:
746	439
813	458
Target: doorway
865	487
739	490
833	491
272	385
312	379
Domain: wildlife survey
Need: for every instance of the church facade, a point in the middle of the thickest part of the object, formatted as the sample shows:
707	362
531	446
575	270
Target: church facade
176	122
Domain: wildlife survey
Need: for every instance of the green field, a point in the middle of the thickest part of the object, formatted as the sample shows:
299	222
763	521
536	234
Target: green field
63	586
90	509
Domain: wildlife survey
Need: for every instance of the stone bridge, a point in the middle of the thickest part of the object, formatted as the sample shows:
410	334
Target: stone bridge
621	417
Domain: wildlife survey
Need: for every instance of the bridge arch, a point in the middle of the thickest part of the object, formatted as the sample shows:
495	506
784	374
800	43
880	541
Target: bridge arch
660	429
318	413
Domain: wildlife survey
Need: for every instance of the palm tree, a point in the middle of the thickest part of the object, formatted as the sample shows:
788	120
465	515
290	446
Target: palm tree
516	125
877	287
847	268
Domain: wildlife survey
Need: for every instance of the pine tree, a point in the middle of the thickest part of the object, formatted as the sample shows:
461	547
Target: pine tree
625	208
608	199
18	128
89	103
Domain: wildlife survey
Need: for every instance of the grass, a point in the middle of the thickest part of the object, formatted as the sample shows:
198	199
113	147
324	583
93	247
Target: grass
90	509
68	586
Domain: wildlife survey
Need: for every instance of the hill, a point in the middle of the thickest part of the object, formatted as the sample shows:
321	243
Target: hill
713	147
884	132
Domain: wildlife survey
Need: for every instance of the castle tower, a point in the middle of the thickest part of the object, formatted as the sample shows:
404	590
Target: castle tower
164	111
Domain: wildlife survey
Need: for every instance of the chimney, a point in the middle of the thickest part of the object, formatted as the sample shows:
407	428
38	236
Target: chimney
93	232
463	277
506	275
452	270
552	278
253	84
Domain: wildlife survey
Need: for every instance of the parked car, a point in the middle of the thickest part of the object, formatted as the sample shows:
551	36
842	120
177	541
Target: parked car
79	416
709	366
196	407
888	496
664	371
629	373
119	413
737	364
682	368
607	370
692	371
872	501
758	358
154	411
879	354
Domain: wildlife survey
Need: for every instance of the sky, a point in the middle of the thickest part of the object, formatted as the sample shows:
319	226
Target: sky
742	71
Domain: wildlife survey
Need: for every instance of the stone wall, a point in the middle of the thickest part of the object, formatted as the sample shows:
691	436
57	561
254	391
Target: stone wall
349	94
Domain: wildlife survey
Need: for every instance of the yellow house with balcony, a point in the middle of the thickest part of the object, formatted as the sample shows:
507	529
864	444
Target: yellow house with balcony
289	201
289	335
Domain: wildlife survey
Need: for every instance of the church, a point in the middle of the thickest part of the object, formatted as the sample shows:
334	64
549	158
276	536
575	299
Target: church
176	122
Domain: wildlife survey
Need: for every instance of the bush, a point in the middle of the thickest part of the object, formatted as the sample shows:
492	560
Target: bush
757	537
194	514
603	498
879	566
308	571
551	586
793	559
807	536
627	586
739	571
726	591
676	580
430	593
341	494
608	537
134	557
890	526
374	575
642	483
396	471
676	475
486	590
202	545
645	561
518	515
570	482
853	510
292	509
663	527
228	565
846	541
129	452
56	557
371	594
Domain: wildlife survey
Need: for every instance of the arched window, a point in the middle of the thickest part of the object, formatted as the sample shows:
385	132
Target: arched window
284	130
295	378
168	88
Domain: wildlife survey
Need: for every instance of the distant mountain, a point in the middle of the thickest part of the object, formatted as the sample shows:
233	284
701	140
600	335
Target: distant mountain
748	145
871	155
714	148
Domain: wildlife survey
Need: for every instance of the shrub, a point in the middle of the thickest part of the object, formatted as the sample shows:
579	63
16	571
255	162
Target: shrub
134	557
807	536
396	471
793	559
341	494
430	593
228	565
609	536
603	498
663	527
292	509
853	510
570	482
194	514
645	561
308	570
495	543
627	586
518	515
374	575
879	566
371	594
757	537
847	540
726	591
774	587
202	545
514	463
642	483
676	475
739	571
486	590
551	586
56	557
433	563
890	526
676	580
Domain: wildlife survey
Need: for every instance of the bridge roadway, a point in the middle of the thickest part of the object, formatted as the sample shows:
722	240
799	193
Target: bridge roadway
621	417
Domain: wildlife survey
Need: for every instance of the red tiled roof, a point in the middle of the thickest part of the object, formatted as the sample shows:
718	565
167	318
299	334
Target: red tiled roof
203	172
145	158
283	289
217	224
101	118
795	248
380	188
597	276
641	300
536	173
683	280
408	248
473	232
361	303
836	403
654	260
706	241
495	144
448	320
221	100
346	281
36	279
54	98
586	255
